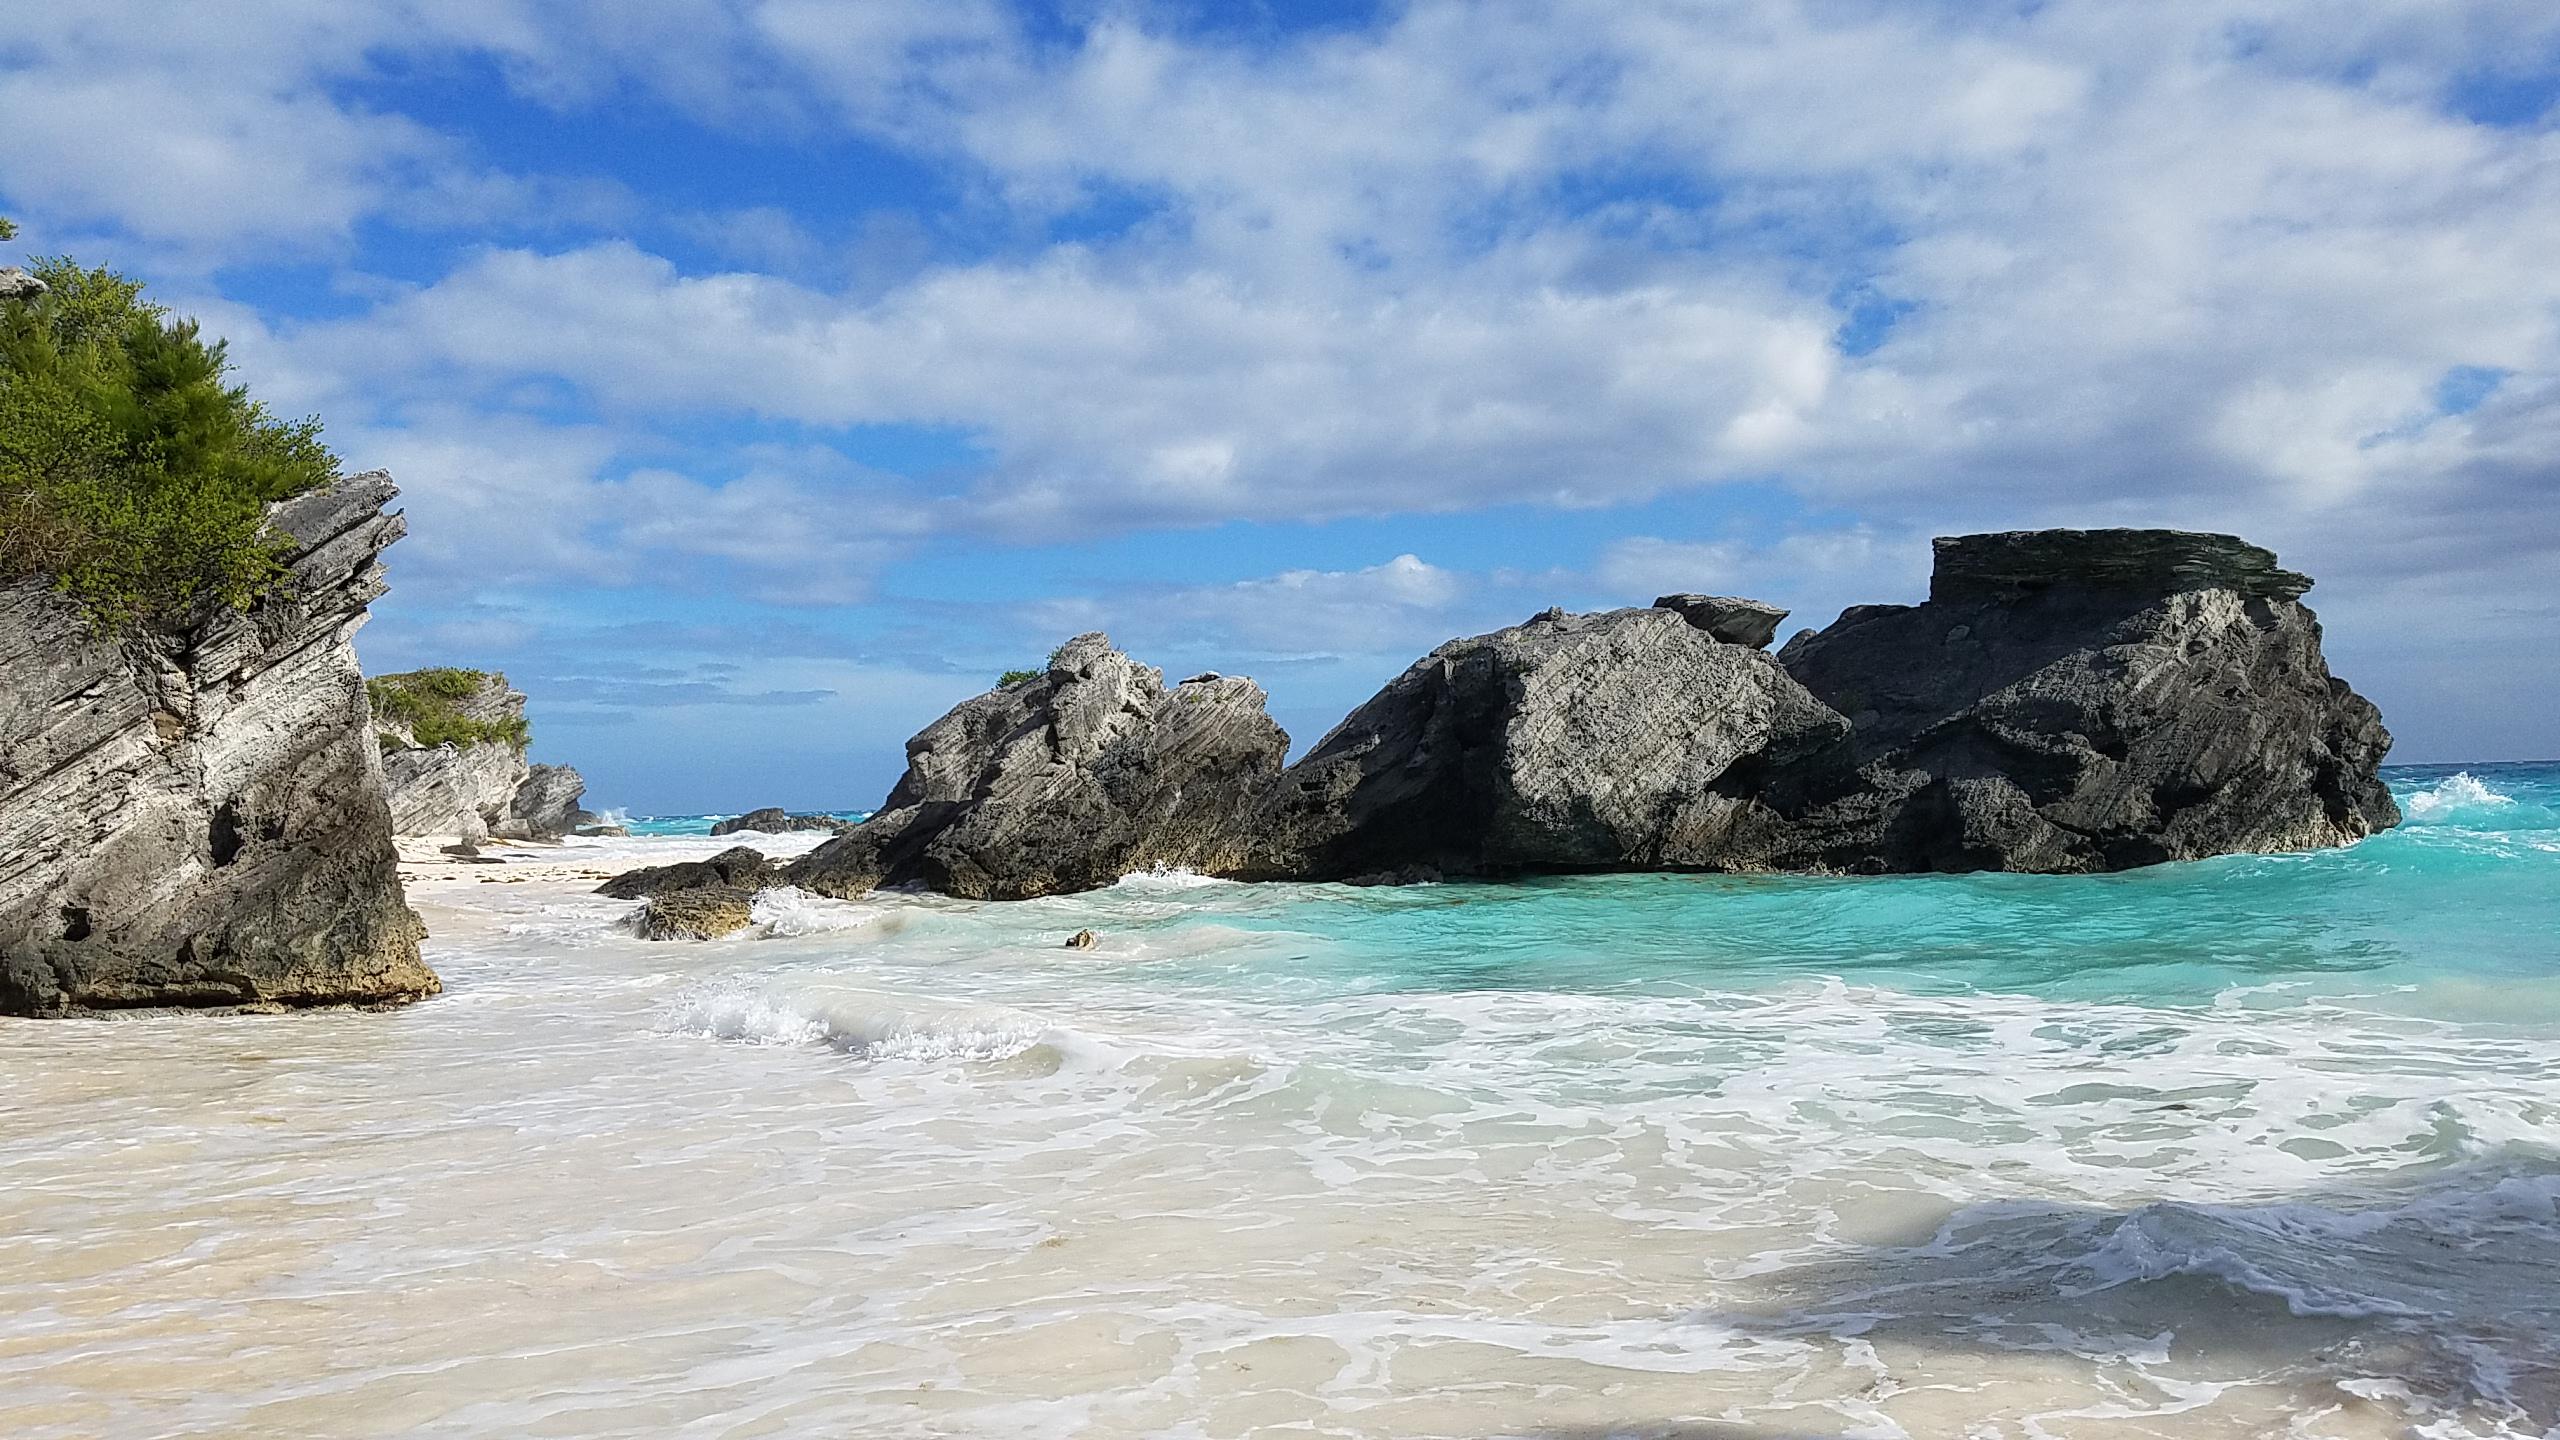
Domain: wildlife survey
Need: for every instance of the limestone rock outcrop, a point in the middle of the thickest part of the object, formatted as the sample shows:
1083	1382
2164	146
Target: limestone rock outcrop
1729	618
1631	739
774	820
1065	781
2079	700
478	787
198	818
2065	701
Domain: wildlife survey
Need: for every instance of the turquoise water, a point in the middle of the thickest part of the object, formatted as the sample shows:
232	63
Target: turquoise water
661	826
2261	1146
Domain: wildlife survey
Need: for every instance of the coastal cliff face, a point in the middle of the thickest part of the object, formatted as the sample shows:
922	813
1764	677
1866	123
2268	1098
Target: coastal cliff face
478	786
2065	701
2083	700
1066	781
199	818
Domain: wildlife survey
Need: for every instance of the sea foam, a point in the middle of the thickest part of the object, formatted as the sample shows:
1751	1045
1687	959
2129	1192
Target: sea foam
2456	793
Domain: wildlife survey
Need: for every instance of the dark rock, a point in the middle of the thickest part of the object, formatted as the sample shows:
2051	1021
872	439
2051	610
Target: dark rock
772	820
1067	782
1629	739
701	913
2083	700
737	867
1083	940
198	818
1729	618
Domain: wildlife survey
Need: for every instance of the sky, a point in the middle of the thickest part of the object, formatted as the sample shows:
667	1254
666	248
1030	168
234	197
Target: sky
763	377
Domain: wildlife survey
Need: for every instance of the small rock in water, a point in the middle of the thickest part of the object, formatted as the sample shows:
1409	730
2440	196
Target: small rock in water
1083	940
701	914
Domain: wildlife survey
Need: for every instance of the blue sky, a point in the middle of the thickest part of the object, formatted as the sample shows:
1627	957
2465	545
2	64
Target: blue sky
762	378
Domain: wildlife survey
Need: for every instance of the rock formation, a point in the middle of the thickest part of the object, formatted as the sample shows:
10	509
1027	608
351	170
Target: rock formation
773	820
2077	700
453	751
1065	781
2066	701
702	913
737	867
198	818
1729	618
1628	739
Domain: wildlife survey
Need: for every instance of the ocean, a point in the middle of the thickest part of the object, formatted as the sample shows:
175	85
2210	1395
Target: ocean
2258	1146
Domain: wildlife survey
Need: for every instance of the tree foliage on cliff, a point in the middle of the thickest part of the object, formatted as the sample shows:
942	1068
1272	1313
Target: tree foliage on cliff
429	705
129	470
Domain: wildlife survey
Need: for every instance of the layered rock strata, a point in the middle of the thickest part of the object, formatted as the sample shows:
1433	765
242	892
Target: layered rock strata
198	818
1066	781
479	789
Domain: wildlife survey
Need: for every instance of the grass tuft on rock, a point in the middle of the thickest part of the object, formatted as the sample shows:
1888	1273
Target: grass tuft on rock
130	471
429	705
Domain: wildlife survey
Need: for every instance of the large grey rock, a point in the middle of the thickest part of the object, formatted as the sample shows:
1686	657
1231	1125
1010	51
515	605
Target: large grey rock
546	805
1631	739
1066	781
1729	618
17	284
199	818
2083	700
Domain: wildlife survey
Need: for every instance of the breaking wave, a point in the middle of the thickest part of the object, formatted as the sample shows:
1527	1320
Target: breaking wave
2452	795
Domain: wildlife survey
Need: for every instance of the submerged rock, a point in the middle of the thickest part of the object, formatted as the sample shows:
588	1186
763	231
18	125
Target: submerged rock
1066	781
701	913
198	818
2073	700
774	820
737	867
1628	739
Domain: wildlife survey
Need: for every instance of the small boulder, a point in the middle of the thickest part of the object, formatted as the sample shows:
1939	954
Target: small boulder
17	284
1729	618
706	913
1083	940
735	868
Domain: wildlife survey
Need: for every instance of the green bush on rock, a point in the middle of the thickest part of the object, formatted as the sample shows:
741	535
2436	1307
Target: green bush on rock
429	705
129	471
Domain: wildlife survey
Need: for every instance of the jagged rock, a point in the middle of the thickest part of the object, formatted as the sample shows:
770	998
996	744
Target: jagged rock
1083	940
545	804
1628	739
198	818
17	284
1066	782
602	832
701	913
449	789
2083	700
737	867
773	820
1729	618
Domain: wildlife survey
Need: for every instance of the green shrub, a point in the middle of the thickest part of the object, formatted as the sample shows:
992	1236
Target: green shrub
129	471
1012	678
428	703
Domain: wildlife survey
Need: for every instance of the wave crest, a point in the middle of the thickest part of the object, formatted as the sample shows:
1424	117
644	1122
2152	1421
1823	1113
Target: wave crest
2457	792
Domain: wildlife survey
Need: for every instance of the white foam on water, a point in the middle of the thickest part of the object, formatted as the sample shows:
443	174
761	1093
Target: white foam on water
2453	795
1165	880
